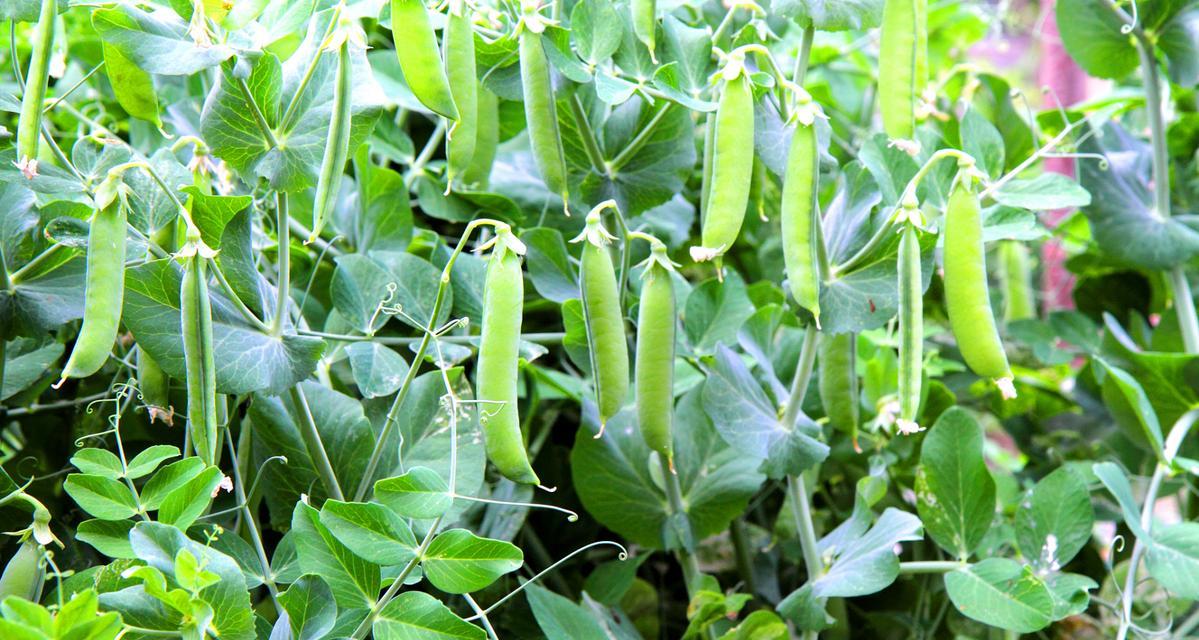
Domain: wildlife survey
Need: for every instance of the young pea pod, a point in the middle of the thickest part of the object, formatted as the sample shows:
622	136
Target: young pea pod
464	84
154	387
541	119
967	297
911	330
801	220
645	23
705	185
196	312
337	143
103	293
654	375
29	127
732	168
23	575
416	46
603	317
838	382
1019	303
903	65
487	138
499	359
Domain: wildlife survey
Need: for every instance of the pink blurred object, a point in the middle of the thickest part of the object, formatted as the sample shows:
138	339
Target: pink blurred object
1058	72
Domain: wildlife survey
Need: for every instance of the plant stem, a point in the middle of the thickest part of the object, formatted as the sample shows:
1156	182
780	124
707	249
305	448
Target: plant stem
263	126
800	502
1138	549
284	233
313	444
639	141
930	566
805	52
369	620
1187	626
241	307
239	488
674	497
744	555
292	104
803	377
590	142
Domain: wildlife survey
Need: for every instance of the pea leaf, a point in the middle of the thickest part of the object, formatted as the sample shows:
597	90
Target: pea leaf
999	592
353	580
1173	559
955	492
715	311
595	28
168	479
458	561
378	370
182	506
414	614
868	564
156	42
101	462
145	462
548	263
419	493
832	15
1056	523
110	537
311	610
101	496
371	531
561	619
1042	193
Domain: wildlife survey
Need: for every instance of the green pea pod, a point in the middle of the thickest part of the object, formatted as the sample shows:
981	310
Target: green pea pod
464	84
540	115
416	46
23	575
732	170
103	292
603	317
154	387
487	138
800	222
645	23
196	310
838	382
337	143
705	185
1019	303
967	297
903	64
911	330
656	325
29	127
499	361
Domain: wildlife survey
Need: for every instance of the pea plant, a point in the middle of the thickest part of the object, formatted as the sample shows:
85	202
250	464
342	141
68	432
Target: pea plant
575	319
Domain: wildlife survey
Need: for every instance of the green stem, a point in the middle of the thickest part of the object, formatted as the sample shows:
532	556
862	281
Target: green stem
1138	549
801	506
239	488
263	126
639	141
313	444
369	620
805	53
803	377
1187	626
294	103
590	142
540	338
674	497
744	555
245	312
284	267
32	266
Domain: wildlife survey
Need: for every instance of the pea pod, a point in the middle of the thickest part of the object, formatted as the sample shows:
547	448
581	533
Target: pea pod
499	356
903	64
196	311
487	138
416	46
337	143
603	317
1019	303
29	127
464	85
838	382
103	292
800	220
541	119
705	185
911	330
154	387
23	575
967	297
645	23
654	375
732	169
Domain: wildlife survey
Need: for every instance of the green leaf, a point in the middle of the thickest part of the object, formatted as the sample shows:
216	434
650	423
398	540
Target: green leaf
610	581
1172	557
101	496
370	530
561	619
549	265
1071	593
212	213
867	297
1113	478
311	610
378	370
416	284
354	581
133	87
1134	394
982	141
1178	39
869	564
360	285
156	42
147	461
749	421
759	625
832	15
100	462
805	610
1091	33
715	311
998	592
110	537
619	484
168	479
955	492
1056	523
418	493
1042	193
596	29
27	360
458	561
383	218
414	615
182	506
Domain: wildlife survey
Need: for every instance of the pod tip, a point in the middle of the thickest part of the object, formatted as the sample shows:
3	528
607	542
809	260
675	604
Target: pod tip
908	427
603	425
1007	387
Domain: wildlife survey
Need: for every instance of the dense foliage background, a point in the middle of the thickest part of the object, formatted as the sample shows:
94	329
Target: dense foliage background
317	468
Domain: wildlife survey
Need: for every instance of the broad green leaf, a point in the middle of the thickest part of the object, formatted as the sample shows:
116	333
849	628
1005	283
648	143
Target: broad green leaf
156	42
1116	482
715	311
1042	193
110	537
182	506
867	297
159	544
832	15
382	218
360	286
1172	557
561	619
147	461
749	422
414	615
354	581
759	625
869	563
168	479
370	530
1071	593
1056	522
609	582
418	493
43	302
101	496
982	141
1134	395
955	492
27	360
311	611
458	561
615	478
212	213
595	28
1091	33
416	287
133	87
378	370
1178	39
1001	593
100	462
805	610
549	265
